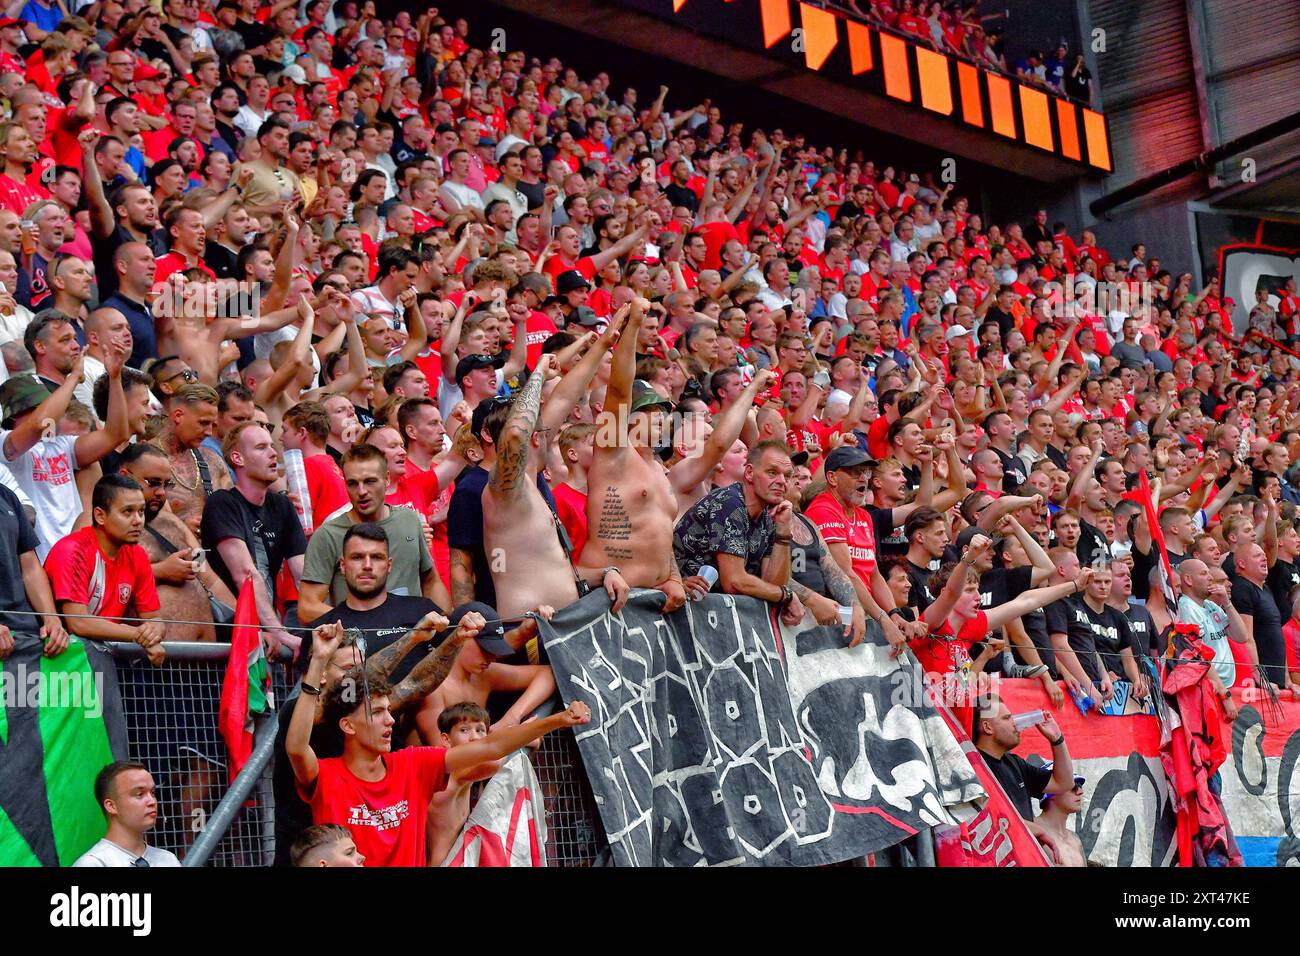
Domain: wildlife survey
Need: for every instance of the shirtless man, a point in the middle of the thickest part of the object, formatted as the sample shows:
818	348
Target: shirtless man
184	579
518	524
629	496
1055	819
191	413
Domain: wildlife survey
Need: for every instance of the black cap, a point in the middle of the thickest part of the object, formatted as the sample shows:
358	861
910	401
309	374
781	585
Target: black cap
492	638
570	281
970	534
471	362
847	456
584	316
799	458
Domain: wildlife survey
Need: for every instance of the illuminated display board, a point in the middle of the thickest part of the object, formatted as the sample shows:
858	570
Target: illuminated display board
884	63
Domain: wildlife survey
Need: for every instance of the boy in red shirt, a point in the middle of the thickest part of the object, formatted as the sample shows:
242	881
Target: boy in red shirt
100	574
383	797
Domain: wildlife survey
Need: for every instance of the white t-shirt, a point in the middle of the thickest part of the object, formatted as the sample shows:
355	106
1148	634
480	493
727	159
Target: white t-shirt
9	481
449	395
1213	622
46	475
105	853
464	195
374	303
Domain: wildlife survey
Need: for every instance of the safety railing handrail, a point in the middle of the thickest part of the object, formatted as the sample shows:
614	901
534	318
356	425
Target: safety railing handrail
223	816
206	651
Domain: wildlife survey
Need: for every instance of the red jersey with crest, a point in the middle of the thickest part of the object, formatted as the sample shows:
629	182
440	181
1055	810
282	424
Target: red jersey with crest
80	572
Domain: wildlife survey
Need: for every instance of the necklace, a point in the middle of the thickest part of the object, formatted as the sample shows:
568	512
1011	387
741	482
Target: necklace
187	485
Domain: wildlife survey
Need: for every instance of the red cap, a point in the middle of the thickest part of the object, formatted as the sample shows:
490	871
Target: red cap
9	22
143	71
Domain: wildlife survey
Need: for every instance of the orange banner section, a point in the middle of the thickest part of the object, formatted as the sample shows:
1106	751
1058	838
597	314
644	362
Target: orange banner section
860	60
776	20
1000	107
968	80
819	35
893	56
936	81
1094	130
1069	129
1037	118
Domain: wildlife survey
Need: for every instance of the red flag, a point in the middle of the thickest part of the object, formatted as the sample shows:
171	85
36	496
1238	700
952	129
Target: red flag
246	687
1142	495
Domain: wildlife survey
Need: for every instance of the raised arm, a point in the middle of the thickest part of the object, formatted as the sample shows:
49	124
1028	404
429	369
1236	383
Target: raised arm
618	393
727	426
117	428
501	743
938	612
417	336
511	468
577	380
621	248
299	354
1035	599
451	336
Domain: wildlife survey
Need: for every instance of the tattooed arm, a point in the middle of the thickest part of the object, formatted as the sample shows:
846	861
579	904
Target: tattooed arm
509	472
462	577
427	675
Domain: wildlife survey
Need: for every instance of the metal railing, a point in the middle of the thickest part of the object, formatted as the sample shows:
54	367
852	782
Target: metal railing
171	721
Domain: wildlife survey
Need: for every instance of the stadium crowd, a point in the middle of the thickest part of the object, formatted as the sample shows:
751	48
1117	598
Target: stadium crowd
427	340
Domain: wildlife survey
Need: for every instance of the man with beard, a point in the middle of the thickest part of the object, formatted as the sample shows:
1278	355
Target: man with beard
99	573
18	151
365	476
273	185
197	473
185	581
188	240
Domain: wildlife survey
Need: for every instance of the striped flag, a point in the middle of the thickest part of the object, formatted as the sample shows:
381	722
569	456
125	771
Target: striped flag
1142	495
246	688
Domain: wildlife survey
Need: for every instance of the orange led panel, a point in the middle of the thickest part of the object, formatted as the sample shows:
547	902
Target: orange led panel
859	47
1037	118
1069	129
893	57
936	84
1001	111
776	21
1094	130
968	82
819	35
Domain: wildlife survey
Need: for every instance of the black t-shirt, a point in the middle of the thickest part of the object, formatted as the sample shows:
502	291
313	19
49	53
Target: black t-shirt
890	542
1094	633
1143	628
682	196
1143	563
1092	546
1035	624
1005	320
1057	456
465	526
382	627
919	596
221	260
1022	781
274	524
1283	579
1014	473
1000	585
1249	598
19	537
292	814
535	193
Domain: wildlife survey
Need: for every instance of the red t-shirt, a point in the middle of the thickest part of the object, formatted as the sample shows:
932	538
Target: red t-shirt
539	328
944	652
80	572
389	817
435	498
878	438
715	236
852	529
174	262
571	508
416	489
325	487
556	264
16	196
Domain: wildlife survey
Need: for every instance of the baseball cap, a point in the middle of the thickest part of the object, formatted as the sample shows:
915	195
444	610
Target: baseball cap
7	22
20	394
846	456
584	316
970	534
143	71
491	640
648	399
471	362
799	458
913	178
570	281
956	332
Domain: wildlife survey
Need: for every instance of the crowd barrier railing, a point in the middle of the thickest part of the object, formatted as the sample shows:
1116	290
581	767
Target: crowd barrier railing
171	723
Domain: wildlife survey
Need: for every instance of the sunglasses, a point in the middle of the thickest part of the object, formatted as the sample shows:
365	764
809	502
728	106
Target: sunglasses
188	374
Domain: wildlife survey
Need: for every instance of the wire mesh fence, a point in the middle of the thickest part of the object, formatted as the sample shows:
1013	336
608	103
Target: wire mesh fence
171	718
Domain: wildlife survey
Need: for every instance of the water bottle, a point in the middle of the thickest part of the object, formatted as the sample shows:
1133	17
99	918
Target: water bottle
710	574
1083	702
296	477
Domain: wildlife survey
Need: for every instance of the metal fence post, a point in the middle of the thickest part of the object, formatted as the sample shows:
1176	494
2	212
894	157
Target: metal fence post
224	815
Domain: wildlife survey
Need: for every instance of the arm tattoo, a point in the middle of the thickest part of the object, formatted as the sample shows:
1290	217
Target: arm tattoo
512	451
427	675
462	577
837	582
382	663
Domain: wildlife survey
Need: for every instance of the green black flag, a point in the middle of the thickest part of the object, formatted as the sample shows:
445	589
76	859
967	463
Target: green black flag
60	723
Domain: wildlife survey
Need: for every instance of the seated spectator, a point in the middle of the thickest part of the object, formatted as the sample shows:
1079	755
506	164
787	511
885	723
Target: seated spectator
125	792
100	574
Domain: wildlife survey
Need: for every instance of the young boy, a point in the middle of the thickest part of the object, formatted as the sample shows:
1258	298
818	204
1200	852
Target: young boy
383	797
1054	816
326	845
458	724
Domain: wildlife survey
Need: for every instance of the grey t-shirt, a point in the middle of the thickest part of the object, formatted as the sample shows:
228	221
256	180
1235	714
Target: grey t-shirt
406	548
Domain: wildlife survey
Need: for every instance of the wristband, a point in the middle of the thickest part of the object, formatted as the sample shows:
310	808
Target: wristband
784	539
605	571
786	595
1058	741
310	690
